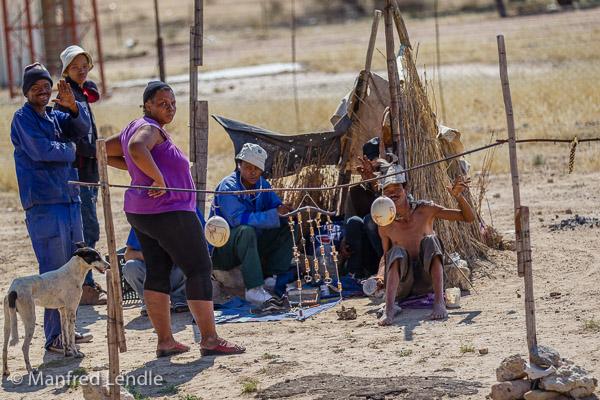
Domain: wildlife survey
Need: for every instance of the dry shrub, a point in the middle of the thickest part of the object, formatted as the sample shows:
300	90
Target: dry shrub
310	173
420	129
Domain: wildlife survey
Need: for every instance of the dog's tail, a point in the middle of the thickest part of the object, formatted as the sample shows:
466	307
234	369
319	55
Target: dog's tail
10	315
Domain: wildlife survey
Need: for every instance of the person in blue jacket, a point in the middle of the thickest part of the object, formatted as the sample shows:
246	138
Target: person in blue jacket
257	232
44	151
134	272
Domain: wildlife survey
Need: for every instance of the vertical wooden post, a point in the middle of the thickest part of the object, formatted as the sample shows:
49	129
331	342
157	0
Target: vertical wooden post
369	58
359	93
393	80
115	328
521	212
198	109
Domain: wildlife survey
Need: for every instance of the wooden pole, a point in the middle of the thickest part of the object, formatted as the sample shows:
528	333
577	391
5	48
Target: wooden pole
369	57
115	328
521	212
393	80
198	109
361	89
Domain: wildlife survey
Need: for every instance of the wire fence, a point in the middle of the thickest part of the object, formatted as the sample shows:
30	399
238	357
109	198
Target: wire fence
553	70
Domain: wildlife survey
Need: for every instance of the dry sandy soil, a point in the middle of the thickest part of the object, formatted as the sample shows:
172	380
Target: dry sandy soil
327	358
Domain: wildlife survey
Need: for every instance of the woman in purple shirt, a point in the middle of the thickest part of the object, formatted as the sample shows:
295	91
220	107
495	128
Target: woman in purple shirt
165	222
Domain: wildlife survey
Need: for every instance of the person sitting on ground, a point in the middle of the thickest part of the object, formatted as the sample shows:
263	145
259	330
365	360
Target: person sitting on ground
134	272
165	222
257	231
76	63
44	153
361	245
413	253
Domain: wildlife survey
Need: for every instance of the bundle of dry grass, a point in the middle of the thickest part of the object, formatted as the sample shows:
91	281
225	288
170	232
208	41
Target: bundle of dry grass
311	172
420	130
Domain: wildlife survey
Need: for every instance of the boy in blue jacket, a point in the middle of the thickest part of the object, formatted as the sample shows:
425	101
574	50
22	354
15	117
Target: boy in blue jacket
44	151
256	228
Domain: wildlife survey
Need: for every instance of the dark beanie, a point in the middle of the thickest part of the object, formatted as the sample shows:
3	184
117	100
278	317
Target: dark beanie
154	87
33	73
371	148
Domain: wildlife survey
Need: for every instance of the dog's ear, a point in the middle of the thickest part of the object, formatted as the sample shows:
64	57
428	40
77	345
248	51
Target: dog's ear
88	254
80	245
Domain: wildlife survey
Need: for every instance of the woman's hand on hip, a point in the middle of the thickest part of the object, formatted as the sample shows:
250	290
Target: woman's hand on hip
156	192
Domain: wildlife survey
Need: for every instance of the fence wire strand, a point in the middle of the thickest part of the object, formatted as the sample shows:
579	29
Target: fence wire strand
342	186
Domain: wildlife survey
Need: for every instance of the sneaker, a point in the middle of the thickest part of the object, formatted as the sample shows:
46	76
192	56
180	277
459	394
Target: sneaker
257	295
92	295
143	311
274	305
81	337
57	345
270	282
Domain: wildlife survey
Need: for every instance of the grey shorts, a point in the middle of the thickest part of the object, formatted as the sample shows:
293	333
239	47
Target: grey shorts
415	275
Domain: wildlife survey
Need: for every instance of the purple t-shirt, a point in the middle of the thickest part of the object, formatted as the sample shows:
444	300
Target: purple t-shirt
174	166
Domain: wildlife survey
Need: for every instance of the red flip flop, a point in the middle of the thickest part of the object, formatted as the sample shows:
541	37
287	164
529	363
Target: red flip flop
179	348
223	349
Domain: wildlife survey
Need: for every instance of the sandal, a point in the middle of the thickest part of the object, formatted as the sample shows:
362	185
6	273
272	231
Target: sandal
222	349
180	308
178	349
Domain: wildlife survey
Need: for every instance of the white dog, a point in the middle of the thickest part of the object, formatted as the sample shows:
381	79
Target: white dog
59	289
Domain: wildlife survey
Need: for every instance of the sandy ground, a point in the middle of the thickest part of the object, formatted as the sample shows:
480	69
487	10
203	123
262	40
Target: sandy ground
327	358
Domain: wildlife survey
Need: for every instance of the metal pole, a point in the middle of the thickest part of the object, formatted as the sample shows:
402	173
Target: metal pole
29	31
7	32
73	22
295	84
159	44
99	47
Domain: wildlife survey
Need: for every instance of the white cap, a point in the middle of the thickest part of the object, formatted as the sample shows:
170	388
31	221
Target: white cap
388	180
253	154
70	53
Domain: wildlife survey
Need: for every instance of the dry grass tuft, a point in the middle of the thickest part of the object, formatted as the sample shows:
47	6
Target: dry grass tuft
420	130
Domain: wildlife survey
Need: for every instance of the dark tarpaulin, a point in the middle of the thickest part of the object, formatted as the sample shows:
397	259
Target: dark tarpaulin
294	151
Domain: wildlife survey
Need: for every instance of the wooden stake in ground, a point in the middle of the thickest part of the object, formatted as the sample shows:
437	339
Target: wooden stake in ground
361	90
198	109
115	328
392	68
521	212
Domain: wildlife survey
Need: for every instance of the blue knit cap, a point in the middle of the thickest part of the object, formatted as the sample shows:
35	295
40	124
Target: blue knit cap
33	73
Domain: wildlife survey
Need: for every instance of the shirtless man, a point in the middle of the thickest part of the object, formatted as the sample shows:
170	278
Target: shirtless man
412	262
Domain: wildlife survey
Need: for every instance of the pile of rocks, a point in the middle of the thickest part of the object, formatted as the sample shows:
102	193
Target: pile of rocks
546	377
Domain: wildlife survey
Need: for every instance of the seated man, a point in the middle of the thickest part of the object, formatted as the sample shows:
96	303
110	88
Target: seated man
361	245
134	272
256	229
413	253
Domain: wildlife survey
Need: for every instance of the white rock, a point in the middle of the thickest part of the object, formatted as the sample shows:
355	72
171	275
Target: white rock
511	368
534	372
455	278
570	379
540	395
510	390
100	390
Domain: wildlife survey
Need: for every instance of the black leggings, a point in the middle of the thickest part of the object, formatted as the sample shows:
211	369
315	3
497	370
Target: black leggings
174	238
